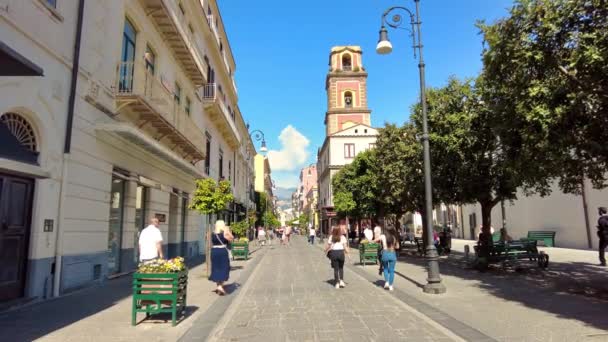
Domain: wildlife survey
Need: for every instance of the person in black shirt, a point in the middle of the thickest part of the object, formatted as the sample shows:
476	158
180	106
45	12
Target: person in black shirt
602	233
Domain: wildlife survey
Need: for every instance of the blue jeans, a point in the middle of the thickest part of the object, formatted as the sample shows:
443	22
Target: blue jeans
389	259
311	239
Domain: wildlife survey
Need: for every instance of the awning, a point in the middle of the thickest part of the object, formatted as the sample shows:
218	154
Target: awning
13	63
137	137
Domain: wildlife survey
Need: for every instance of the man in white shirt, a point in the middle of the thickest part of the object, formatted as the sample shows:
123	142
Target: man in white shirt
311	235
151	242
369	234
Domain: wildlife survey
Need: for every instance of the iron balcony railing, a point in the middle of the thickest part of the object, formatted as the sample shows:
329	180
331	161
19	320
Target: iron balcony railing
137	80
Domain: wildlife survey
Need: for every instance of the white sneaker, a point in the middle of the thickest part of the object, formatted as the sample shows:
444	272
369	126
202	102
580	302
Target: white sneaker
390	288
342	283
337	285
386	284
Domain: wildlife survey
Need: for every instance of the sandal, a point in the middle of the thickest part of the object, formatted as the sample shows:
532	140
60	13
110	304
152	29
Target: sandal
221	291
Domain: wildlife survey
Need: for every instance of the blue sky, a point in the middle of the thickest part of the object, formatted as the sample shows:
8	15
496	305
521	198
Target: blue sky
281	48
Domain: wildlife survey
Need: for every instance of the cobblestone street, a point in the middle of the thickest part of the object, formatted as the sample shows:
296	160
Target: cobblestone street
291	297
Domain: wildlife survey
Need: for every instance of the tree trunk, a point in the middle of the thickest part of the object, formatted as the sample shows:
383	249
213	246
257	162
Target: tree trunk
485	238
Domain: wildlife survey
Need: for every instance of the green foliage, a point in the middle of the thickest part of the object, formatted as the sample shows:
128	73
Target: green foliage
211	197
240	228
547	68
344	203
359	179
270	219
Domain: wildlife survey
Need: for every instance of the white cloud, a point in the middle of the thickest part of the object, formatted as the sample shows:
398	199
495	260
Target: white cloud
293	154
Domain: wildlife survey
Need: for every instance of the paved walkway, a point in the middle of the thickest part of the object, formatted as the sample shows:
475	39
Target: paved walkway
103	313
291	297
566	302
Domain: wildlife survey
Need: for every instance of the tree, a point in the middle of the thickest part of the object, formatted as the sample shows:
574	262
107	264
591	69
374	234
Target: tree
211	197
399	160
344	204
239	229
359	181
472	161
547	67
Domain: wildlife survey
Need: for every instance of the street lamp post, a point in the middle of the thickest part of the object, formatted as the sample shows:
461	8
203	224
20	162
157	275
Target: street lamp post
384	46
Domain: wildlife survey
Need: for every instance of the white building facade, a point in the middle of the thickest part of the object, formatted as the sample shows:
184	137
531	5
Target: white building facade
154	108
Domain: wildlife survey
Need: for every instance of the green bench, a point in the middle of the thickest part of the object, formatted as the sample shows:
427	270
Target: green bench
368	253
547	237
496	237
155	293
240	250
505	252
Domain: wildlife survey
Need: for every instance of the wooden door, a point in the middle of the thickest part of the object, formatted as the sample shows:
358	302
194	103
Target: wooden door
16	195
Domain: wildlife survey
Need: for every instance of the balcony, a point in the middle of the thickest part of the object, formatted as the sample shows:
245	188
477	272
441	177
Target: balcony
147	102
215	35
219	114
172	25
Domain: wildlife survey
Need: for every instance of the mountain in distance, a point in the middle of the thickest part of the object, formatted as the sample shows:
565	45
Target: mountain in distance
284	196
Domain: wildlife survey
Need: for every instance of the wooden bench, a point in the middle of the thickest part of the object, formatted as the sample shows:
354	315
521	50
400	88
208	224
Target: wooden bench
547	237
505	252
155	293
368	252
240	250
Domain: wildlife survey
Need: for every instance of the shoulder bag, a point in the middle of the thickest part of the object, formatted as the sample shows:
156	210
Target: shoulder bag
227	249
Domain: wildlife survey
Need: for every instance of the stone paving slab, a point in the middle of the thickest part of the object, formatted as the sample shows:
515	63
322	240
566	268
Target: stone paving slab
291	297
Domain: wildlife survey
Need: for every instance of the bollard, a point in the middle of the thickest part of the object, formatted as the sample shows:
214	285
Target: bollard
466	252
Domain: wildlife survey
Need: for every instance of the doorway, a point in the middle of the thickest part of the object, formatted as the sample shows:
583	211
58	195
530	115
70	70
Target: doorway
117	204
16	195
172	240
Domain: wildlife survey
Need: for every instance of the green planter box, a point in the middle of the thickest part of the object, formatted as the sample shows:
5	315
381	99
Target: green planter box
155	293
368	253
240	250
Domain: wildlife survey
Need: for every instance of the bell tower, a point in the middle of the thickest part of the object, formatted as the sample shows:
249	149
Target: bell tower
346	87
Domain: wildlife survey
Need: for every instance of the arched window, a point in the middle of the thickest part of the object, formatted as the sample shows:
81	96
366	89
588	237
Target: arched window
21	130
348	99
18	139
346	62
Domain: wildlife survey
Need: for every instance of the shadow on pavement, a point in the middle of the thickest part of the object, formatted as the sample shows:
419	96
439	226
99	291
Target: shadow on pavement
163	318
35	321
572	290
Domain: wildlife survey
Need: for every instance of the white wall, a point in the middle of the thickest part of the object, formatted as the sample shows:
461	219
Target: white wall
558	212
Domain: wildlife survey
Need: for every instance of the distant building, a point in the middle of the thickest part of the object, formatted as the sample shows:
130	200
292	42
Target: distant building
347	123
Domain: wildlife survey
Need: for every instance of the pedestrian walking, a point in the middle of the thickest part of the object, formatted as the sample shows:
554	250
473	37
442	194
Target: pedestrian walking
220	262
390	243
602	233
311	235
261	237
336	250
151	242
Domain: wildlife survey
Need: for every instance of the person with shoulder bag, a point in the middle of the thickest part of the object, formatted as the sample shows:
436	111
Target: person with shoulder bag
220	256
337	248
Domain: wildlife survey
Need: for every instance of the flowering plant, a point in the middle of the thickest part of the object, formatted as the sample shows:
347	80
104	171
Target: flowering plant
174	265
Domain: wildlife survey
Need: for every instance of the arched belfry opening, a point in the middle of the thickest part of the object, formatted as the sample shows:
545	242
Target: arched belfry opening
348	99
347	62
